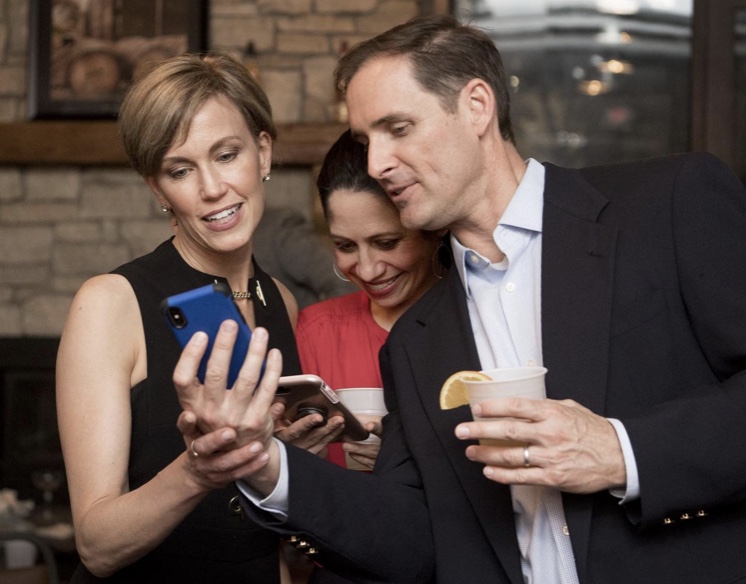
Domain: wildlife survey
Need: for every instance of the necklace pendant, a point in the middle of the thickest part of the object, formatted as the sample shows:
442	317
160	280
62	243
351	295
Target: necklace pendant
259	293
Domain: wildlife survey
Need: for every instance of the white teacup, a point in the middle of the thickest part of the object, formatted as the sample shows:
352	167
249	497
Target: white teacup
367	405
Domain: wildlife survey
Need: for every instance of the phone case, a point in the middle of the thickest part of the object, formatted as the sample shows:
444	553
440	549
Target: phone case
303	395
203	309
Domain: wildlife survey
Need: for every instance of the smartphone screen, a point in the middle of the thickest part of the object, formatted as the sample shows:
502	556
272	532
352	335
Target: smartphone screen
203	309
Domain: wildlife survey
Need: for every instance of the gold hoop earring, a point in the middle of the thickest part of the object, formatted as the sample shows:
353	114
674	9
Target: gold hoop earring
336	273
435	263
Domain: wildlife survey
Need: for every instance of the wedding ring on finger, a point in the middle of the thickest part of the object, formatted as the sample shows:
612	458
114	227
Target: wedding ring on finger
526	459
192	451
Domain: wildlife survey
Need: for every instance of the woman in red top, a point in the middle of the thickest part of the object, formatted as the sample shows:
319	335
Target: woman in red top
339	339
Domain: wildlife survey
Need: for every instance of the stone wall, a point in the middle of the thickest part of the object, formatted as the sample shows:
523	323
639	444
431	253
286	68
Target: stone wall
59	226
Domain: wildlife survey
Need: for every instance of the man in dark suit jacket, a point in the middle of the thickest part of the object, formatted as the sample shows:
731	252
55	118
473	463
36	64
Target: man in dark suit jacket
640	449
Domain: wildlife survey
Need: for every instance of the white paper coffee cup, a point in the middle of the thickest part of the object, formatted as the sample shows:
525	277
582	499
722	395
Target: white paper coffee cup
526	382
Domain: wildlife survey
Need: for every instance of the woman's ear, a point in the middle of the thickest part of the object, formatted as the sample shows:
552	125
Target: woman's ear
264	143
153	184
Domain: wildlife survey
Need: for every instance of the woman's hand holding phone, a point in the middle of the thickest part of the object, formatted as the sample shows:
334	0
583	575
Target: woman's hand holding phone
246	409
312	432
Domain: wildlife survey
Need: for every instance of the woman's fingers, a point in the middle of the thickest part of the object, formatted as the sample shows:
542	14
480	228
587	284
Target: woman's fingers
187	425
364	453
204	445
185	374
375	427
251	370
247	408
219	361
311	433
264	394
218	468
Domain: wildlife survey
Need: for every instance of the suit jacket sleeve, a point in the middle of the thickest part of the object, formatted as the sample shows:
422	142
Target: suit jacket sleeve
691	451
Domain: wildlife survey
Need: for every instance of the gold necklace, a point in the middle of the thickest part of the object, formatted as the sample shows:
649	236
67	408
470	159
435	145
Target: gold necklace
241	295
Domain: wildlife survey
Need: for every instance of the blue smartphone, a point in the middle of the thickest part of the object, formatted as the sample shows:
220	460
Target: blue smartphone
203	309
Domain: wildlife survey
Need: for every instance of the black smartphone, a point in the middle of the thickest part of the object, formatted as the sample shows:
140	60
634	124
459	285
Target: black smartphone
303	395
203	309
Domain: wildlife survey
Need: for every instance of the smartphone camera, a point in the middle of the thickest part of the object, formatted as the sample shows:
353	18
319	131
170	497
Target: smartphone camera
176	316
304	411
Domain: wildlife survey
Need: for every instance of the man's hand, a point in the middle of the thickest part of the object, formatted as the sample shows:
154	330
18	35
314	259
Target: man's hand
569	447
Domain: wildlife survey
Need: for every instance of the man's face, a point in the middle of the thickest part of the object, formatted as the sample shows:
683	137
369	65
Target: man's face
424	157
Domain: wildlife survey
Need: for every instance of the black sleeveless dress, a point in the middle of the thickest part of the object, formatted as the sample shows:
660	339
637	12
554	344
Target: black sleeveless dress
212	544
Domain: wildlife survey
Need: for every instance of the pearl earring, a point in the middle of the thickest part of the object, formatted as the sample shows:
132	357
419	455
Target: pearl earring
165	209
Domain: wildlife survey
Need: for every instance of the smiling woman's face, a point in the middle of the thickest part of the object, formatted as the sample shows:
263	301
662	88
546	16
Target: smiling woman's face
212	181
391	264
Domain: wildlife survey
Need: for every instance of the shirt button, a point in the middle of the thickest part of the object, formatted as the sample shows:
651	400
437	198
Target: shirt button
474	259
510	287
531	362
565	530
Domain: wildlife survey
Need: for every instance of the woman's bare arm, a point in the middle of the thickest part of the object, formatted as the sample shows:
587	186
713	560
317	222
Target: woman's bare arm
101	356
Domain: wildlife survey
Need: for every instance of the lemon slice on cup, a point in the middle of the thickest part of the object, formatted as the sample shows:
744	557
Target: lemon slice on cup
453	392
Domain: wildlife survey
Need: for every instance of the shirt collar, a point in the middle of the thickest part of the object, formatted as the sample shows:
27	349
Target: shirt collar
525	211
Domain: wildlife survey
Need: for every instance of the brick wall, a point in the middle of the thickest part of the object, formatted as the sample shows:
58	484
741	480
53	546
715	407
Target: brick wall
62	225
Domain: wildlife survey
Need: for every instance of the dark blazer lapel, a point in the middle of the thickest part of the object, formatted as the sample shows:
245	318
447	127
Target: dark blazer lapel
445	344
577	282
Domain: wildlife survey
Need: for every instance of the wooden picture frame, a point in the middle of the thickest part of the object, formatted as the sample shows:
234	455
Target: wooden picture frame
85	54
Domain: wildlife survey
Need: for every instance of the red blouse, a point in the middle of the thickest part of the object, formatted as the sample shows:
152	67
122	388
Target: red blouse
339	341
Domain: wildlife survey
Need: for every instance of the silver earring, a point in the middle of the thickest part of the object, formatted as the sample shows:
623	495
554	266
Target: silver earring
336	272
165	209
265	178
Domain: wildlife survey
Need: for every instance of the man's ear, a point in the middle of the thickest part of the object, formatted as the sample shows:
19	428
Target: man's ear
480	102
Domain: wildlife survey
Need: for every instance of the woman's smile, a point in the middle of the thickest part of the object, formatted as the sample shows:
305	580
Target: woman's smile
225	219
381	289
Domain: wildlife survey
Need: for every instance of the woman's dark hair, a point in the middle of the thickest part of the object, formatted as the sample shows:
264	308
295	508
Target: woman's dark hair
345	166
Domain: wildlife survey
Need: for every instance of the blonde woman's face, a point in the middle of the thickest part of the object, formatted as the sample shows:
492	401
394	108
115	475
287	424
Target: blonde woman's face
212	181
391	264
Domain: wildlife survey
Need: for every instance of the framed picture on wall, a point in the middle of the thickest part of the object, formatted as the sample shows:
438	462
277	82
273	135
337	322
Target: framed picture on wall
86	53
